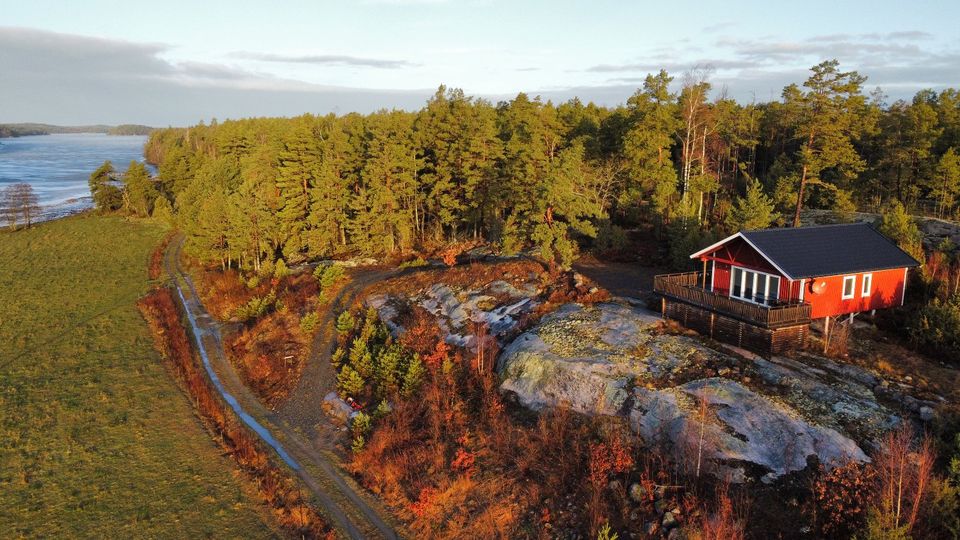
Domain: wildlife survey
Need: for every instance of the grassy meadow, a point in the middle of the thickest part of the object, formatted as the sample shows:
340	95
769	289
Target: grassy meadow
96	440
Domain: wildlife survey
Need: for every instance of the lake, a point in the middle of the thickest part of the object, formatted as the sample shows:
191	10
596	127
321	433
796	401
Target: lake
58	166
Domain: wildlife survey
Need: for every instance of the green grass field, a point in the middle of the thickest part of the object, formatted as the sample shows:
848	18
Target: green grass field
96	440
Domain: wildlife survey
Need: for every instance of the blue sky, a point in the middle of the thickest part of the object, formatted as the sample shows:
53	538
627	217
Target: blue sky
174	62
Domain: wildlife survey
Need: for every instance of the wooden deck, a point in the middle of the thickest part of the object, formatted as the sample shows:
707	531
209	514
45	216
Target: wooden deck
685	287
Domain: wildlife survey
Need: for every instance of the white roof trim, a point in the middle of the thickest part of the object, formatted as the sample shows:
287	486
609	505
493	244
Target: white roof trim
715	245
747	240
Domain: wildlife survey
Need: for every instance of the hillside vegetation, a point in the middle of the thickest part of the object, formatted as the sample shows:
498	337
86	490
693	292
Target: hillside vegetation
96	440
553	177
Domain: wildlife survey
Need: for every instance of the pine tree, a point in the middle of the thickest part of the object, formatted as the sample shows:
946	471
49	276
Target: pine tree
945	184
826	119
300	164
900	227
646	146
413	377
163	210
754	211
388	370
106	195
349	382
330	196
140	191
361	359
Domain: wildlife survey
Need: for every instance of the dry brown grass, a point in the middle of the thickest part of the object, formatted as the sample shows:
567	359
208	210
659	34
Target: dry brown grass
155	269
270	351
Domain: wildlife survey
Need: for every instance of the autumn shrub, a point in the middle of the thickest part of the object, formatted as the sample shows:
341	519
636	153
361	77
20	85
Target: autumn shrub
606	458
725	521
841	498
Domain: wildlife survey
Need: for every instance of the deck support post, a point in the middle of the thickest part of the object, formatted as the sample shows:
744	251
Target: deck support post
663	306
826	334
713	317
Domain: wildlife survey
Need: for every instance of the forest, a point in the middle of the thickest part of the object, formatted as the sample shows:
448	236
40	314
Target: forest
531	174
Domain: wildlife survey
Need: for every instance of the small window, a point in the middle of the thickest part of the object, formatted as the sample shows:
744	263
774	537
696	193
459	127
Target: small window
849	284
737	277
865	289
774	293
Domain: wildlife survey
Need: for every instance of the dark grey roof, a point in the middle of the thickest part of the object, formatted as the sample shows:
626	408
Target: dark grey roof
828	250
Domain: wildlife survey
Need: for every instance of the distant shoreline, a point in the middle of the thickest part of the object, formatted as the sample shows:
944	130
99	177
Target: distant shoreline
9	131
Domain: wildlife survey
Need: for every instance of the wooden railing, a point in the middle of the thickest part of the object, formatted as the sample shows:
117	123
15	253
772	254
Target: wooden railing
686	287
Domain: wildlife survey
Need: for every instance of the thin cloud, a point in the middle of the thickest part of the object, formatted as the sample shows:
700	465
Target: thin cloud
323	60
717	27
72	79
670	66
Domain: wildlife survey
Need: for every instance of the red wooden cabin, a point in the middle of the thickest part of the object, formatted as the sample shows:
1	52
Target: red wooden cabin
780	279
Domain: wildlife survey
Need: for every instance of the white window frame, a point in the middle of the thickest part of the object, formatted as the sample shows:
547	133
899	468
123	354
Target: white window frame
866	285
743	285
853	288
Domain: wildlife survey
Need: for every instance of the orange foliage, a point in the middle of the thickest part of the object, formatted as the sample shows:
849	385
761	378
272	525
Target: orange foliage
156	258
723	523
894	484
607	458
440	353
423	332
842	497
449	255
454	464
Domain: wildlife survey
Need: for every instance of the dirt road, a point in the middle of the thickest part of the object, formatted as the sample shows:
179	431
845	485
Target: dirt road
352	512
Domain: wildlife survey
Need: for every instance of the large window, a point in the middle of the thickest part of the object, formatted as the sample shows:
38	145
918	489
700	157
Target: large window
752	286
849	285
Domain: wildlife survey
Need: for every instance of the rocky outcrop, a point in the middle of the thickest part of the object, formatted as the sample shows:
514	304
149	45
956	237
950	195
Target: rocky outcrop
763	418
499	305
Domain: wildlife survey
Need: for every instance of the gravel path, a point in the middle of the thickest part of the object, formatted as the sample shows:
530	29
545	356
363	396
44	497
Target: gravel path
350	510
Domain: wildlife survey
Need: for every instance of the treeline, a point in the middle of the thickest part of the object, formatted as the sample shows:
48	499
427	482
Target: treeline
23	130
525	173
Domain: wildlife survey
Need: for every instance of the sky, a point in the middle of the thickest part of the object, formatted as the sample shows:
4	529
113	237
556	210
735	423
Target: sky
176	62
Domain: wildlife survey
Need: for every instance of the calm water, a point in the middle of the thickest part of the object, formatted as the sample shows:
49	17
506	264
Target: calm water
58	166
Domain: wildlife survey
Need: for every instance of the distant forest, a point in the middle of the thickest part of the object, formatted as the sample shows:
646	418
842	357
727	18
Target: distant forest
23	130
554	177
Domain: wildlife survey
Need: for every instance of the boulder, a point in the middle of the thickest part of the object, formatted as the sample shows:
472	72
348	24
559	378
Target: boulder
638	493
498	304
337	408
612	359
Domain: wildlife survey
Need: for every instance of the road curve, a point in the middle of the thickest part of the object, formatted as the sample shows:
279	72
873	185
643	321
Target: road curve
350	513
